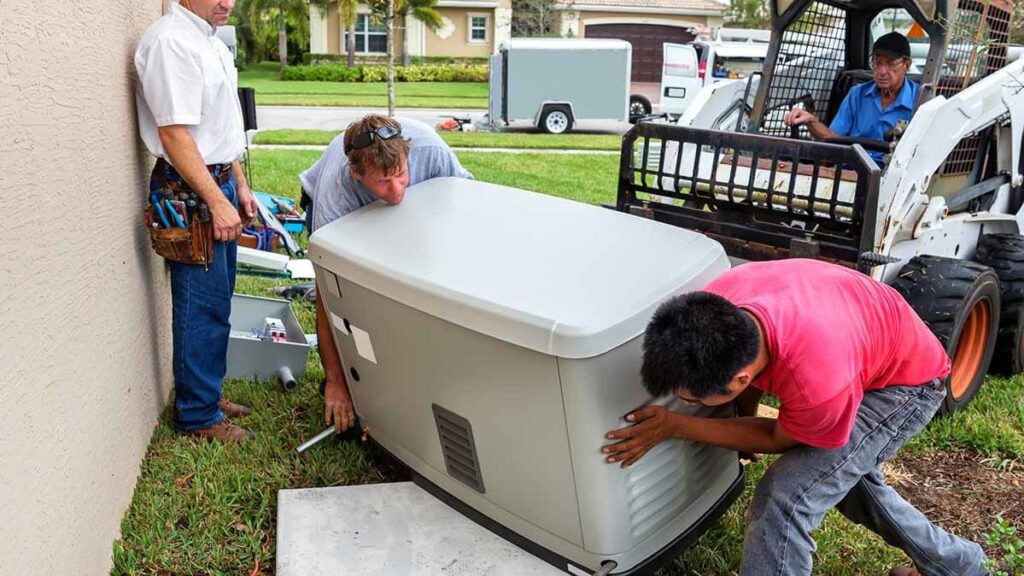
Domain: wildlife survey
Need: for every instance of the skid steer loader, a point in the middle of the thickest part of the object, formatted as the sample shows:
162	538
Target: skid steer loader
940	219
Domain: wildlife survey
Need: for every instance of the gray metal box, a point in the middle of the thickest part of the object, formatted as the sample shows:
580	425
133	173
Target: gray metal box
492	337
247	357
591	75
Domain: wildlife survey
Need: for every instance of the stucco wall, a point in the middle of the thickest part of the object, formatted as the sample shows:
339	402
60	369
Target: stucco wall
84	302
453	38
334	30
588	17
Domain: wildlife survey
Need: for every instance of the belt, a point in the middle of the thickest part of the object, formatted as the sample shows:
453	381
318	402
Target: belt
168	176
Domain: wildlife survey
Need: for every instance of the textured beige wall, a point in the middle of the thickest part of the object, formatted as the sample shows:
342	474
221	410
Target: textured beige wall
334	31
85	303
596	17
456	31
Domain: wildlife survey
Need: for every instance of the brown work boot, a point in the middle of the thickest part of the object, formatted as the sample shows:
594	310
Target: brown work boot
904	571
232	410
224	431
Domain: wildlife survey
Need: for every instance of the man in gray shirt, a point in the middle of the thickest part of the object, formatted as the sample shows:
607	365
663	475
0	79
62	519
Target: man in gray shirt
376	158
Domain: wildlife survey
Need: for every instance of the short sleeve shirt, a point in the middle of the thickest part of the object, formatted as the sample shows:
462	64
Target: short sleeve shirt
832	334
861	114
335	192
187	77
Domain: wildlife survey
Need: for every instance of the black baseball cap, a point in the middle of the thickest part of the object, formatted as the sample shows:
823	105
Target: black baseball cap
892	44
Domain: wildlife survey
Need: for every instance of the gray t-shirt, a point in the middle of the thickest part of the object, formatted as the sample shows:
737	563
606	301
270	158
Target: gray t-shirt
335	192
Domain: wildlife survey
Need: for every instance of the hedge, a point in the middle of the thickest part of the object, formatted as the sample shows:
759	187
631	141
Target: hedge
323	73
429	73
365	60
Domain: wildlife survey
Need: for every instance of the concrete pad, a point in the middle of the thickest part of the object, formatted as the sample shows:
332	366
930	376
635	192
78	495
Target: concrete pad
389	529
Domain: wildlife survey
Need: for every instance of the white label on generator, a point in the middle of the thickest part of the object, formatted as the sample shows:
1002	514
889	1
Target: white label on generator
363	345
339	324
576	571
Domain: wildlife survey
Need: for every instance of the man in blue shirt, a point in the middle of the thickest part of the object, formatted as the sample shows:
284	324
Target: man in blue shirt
872	108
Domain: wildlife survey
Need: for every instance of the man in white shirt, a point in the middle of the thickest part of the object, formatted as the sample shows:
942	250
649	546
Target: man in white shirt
191	120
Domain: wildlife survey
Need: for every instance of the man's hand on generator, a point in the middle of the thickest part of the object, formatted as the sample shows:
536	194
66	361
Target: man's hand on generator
652	425
338	407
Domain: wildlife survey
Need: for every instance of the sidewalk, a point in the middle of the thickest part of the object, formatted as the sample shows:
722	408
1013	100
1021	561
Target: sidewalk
337	118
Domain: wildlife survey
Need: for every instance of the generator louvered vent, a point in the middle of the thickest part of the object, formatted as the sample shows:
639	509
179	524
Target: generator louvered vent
456	436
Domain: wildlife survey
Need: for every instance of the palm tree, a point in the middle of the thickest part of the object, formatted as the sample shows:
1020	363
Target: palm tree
348	12
260	22
423	10
296	12
391	56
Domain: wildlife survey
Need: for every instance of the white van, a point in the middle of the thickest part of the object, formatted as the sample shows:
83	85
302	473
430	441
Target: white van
689	67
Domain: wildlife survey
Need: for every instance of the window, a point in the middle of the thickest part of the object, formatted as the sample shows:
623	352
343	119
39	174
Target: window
371	37
478	28
736	67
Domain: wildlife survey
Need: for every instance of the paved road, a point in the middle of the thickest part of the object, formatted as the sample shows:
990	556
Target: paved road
337	118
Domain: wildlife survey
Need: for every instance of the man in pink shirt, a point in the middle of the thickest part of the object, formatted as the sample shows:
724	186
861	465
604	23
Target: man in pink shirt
856	373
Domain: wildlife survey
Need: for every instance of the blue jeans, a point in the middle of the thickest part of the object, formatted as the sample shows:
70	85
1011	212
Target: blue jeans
805	482
201	312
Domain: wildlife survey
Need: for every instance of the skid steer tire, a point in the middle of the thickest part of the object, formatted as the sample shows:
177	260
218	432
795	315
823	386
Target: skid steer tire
1004	253
959	301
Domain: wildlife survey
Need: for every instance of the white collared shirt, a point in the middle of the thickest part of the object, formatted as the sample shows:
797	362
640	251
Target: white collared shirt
187	76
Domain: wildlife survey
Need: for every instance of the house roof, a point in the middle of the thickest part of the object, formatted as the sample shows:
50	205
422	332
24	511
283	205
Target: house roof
645	6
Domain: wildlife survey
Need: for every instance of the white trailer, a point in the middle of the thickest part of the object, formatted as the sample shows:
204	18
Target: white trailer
555	82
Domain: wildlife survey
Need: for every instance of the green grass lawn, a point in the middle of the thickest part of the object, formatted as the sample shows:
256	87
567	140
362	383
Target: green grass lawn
204	508
271	90
610	142
583	177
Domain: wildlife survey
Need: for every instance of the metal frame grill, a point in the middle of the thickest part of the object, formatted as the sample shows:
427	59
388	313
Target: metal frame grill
976	46
811	56
458	448
747	196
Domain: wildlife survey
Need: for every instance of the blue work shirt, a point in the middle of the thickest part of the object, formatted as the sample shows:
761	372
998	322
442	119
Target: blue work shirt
861	114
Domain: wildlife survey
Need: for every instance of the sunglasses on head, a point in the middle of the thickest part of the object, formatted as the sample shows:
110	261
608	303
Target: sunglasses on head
366	138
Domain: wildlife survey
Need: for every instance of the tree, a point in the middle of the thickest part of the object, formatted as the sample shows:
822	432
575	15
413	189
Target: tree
390	19
532	18
1016	30
423	10
748	14
348	12
265	28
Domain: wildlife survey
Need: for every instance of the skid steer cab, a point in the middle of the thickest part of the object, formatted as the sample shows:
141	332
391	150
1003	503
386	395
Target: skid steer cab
939	217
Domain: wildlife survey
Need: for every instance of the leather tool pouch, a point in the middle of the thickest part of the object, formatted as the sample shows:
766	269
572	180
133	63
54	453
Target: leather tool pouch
190	245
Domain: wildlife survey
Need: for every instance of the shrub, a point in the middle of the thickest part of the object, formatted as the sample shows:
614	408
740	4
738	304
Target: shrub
378	73
323	73
427	74
375	60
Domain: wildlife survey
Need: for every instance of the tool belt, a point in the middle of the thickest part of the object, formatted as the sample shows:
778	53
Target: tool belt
179	222
220	173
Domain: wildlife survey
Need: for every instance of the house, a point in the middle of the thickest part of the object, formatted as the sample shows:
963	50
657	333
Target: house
470	28
646	24
90	372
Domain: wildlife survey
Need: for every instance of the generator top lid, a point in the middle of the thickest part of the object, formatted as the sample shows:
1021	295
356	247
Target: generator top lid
552	275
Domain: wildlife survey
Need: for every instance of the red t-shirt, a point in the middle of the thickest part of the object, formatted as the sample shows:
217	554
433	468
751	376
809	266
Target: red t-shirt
832	333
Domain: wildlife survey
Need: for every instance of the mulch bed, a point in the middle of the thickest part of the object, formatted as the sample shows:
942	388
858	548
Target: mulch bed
959	491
